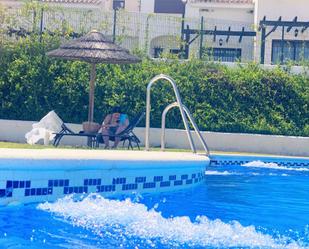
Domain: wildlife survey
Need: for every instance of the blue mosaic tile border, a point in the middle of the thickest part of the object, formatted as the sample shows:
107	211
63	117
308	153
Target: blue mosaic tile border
18	184
106	188
58	183
140	182
232	162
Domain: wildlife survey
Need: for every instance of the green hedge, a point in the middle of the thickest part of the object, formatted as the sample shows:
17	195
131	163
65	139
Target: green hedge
245	99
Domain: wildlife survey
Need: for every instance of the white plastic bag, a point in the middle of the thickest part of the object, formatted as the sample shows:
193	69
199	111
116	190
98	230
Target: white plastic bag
49	124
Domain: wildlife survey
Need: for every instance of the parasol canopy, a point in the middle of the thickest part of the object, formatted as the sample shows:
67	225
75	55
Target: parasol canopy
93	48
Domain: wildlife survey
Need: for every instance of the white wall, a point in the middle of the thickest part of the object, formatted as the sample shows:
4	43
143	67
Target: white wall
14	131
273	9
294	69
229	14
252	143
224	16
192	12
10	3
288	9
132	5
147	6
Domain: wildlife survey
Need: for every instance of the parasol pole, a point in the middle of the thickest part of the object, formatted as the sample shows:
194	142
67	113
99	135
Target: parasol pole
91	92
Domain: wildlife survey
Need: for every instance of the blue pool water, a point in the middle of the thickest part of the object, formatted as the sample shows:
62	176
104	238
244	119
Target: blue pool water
256	205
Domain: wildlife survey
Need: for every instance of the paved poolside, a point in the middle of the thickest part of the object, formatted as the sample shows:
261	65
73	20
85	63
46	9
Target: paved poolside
99	154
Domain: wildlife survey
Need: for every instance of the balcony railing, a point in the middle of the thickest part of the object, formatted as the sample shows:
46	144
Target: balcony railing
223	1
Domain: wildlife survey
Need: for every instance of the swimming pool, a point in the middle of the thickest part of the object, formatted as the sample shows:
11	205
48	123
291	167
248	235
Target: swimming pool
259	203
37	176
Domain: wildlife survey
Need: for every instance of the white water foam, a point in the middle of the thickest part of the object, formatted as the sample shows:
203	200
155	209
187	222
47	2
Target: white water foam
135	220
219	173
260	164
228	173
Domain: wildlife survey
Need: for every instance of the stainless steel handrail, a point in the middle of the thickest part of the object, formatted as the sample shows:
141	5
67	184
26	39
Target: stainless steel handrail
182	112
166	110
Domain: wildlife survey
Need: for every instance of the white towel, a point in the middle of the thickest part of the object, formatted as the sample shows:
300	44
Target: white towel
44	129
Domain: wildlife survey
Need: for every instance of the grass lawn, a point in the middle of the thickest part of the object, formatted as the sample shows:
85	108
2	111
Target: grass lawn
22	146
38	146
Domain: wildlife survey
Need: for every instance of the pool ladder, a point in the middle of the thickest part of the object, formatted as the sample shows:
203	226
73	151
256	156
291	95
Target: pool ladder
185	114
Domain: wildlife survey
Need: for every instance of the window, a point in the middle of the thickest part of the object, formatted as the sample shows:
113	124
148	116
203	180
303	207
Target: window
292	51
169	6
175	51
223	54
157	52
118	4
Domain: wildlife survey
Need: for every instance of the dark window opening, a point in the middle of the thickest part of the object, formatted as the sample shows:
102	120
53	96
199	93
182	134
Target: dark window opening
222	54
169	6
157	52
289	50
175	51
118	4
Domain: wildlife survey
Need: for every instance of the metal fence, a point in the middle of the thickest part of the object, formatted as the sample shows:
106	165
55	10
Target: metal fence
151	33
155	34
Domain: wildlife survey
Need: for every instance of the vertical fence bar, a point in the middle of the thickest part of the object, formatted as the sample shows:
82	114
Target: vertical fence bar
201	37
282	46
34	22
182	32
263	43
147	28
41	24
114	25
187	42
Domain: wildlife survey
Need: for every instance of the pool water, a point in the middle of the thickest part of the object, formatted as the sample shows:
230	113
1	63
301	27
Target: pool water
256	205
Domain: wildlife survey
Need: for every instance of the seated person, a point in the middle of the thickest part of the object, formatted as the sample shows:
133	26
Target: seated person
112	125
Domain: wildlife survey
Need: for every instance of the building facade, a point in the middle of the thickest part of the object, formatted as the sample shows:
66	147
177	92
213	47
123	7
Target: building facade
106	5
286	39
267	31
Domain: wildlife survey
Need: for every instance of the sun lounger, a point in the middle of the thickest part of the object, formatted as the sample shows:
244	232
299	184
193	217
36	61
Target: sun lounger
68	132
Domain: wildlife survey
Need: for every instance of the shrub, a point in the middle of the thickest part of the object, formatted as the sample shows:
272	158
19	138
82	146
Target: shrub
244	99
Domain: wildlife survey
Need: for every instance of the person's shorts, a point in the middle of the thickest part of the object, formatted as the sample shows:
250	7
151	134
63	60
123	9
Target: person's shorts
112	131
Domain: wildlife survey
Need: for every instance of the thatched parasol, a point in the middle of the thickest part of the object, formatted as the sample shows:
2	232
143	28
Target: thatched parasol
94	48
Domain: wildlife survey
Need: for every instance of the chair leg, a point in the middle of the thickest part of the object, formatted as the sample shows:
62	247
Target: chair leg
56	140
129	144
59	139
